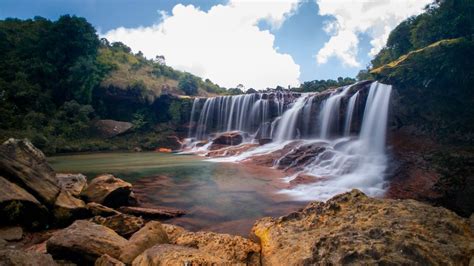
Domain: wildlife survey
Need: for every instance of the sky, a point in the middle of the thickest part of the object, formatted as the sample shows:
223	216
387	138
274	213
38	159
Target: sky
257	43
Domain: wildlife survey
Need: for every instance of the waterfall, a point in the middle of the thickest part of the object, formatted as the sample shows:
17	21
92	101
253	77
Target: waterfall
286	128
350	114
191	119
330	112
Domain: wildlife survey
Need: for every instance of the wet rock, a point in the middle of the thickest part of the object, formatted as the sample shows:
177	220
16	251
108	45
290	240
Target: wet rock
19	257
157	212
166	254
68	209
229	138
300	156
13	233
111	128
97	209
269	159
264	141
83	242
26	166
231	150
173	232
352	228
123	224
19	207
106	260
233	249
73	183
108	190
303	179
151	234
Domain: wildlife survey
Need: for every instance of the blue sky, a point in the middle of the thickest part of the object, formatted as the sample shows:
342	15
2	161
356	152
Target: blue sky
295	41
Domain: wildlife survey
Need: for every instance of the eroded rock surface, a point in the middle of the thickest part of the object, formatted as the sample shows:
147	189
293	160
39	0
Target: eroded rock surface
151	234
352	228
68	208
108	190
123	224
19	257
157	212
73	183
166	254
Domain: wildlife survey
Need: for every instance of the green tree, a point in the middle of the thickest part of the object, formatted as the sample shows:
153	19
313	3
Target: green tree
188	84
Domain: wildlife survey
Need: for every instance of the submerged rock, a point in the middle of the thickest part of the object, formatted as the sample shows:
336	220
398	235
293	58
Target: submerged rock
83	242
353	228
26	166
19	207
73	183
108	190
157	212
123	224
165	254
148	236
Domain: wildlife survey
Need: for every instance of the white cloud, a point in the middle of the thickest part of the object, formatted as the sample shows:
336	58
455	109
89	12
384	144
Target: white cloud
352	17
223	44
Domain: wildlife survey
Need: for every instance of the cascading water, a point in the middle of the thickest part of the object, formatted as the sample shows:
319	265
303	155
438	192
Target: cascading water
323	120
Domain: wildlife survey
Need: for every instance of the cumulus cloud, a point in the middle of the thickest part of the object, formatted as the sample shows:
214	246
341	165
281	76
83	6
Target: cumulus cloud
223	44
376	18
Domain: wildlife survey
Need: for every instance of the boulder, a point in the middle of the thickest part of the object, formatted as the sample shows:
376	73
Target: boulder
97	209
20	257
106	260
300	156
19	207
151	234
68	209
26	166
110	128
108	190
73	183
230	248
123	224
156	212
352	228
231	150
165	254
173	232
264	141
13	233
83	242
228	138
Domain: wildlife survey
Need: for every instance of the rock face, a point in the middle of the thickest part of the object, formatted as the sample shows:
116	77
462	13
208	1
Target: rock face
68	208
352	228
111	128
175	255
158	212
231	150
151	234
19	257
227	139
73	183
232	249
83	242
26	166
123	224
19	207
108	190
174	231
106	260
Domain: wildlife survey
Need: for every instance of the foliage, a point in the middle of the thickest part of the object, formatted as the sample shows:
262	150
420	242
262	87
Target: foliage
321	85
189	84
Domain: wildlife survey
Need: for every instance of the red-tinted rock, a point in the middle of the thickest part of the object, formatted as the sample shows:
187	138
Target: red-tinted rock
156	212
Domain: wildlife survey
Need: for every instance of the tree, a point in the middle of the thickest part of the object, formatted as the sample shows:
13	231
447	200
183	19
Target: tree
188	84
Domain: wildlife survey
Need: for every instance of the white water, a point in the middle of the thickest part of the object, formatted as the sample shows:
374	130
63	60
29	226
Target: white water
347	162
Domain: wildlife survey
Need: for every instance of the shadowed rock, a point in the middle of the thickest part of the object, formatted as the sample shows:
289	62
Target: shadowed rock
97	209
110	128
20	257
106	260
108	190
157	212
68	208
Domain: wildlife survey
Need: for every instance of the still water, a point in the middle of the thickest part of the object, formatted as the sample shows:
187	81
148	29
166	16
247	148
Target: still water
220	197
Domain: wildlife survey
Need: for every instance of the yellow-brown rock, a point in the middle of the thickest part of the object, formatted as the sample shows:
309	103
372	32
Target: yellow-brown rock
166	254
352	228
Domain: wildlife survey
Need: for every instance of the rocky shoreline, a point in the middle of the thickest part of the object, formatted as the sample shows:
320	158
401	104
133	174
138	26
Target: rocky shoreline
61	219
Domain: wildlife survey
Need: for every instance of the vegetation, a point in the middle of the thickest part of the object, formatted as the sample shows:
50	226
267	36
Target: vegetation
321	85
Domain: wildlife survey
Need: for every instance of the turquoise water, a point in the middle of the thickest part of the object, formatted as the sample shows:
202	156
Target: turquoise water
222	197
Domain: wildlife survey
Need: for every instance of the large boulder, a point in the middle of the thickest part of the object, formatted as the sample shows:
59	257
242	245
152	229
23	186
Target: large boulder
73	183
108	190
174	231
19	207
26	166
352	228
111	128
152	213
83	242
123	224
230	248
227	139
151	234
165	254
10	257
67	208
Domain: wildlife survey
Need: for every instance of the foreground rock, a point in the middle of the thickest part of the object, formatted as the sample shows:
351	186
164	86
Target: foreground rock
108	190
73	183
13	233
232	249
175	255
106	260
83	242
96	209
123	224
26	166
151	234
157	212
353	228
19	207
20	257
68	208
